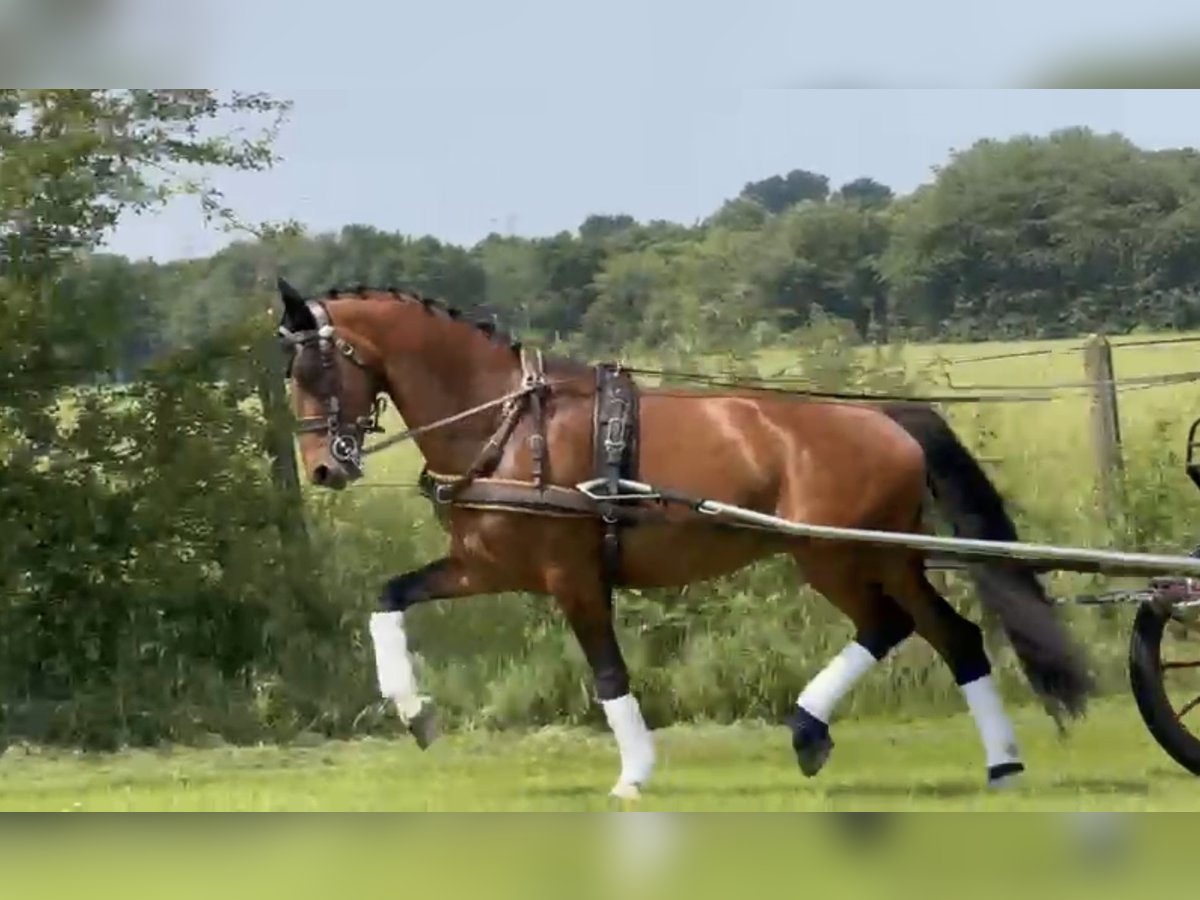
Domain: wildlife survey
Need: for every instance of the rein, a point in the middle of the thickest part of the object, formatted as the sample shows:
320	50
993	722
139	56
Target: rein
792	387
410	433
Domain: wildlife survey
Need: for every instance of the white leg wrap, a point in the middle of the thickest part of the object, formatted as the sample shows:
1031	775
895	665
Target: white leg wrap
995	729
393	664
832	683
633	740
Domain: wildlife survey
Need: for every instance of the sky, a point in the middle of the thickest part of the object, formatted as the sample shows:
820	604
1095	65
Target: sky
457	118
619	44
460	164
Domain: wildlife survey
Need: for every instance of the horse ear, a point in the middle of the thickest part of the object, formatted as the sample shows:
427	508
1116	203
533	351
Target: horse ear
295	308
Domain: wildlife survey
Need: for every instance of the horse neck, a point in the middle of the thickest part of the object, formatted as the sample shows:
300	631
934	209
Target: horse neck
448	374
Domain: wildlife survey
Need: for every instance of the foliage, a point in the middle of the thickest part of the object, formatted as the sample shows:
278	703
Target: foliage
1046	237
140	556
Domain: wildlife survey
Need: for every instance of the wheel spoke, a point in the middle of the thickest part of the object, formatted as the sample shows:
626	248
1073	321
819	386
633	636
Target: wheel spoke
1188	708
1193	664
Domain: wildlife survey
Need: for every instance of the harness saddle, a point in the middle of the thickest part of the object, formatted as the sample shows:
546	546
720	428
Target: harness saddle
615	428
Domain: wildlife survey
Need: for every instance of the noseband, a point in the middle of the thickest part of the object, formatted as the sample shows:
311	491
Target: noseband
345	437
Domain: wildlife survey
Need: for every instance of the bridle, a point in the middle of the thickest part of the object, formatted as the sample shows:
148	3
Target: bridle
346	442
346	437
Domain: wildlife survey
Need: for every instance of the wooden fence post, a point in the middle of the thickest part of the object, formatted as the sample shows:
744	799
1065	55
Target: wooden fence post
1105	422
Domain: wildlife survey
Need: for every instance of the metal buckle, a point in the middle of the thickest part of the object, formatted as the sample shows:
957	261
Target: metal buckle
370	422
614	436
637	490
344	448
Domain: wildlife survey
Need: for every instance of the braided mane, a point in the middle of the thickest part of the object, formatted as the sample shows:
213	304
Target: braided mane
432	305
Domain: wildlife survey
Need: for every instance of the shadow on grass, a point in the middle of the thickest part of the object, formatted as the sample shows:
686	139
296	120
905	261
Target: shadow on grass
953	788
942	788
949	788
661	791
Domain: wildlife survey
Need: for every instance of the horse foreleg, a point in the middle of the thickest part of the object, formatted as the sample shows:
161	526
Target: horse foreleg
590	617
395	675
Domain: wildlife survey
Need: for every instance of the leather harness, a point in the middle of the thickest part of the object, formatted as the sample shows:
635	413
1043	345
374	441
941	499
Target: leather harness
615	452
615	442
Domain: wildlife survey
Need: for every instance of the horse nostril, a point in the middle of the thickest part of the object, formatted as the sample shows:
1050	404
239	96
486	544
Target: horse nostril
320	475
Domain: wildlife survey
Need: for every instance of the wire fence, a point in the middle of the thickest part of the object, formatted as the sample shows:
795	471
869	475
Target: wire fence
1116	343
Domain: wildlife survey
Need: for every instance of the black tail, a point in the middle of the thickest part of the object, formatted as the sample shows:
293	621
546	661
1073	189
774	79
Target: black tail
1055	665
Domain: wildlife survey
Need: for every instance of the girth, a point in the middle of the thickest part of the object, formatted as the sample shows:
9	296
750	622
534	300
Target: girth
505	495
615	430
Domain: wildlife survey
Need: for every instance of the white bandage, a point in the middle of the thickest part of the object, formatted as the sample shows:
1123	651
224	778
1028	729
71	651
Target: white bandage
995	729
393	664
633	739
832	683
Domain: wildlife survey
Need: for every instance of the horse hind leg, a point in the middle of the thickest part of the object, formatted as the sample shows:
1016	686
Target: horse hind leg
960	644
880	626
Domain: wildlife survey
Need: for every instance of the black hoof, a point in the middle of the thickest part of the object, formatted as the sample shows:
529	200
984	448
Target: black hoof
1004	773
811	741
423	726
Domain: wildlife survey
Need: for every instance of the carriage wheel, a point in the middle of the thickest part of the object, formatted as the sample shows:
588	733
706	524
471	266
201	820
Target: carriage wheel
1164	672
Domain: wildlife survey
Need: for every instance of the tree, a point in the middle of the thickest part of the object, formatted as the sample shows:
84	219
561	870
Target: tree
631	290
741	214
778	193
516	286
836	249
865	192
600	227
570	268
72	162
123	514
124	300
1036	236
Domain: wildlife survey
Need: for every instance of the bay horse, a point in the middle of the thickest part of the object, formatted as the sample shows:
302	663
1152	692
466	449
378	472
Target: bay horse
507	434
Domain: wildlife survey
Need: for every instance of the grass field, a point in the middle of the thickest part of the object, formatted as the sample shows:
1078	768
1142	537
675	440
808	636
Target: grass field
1108	763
